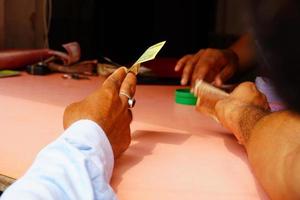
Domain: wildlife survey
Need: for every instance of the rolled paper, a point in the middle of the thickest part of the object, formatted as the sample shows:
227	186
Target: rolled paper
208	96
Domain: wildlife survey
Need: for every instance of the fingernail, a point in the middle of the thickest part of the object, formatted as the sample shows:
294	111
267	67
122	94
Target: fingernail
183	81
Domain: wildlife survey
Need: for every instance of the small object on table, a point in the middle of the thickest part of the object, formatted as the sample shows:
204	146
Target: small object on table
40	68
9	73
184	96
75	76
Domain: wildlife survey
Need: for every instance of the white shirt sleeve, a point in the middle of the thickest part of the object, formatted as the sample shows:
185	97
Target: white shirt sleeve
78	165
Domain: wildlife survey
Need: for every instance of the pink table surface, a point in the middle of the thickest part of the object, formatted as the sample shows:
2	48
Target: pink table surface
176	153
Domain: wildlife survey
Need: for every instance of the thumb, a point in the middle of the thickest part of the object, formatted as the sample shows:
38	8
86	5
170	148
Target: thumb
114	81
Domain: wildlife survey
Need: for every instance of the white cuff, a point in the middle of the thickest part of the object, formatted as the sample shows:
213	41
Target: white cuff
89	138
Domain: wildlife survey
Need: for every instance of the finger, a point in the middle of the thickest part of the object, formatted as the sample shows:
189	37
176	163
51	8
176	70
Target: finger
200	72
115	80
187	71
121	138
189	68
128	87
224	75
182	62
206	65
130	116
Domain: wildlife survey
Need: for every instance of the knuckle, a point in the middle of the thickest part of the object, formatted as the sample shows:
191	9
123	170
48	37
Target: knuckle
187	69
247	85
109	93
190	62
208	64
210	50
213	52
202	69
201	51
188	56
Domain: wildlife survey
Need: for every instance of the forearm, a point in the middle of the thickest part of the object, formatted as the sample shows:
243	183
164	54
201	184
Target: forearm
273	151
239	117
20	58
244	49
272	140
247	120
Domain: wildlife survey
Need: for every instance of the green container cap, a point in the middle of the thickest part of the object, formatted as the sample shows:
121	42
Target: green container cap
184	96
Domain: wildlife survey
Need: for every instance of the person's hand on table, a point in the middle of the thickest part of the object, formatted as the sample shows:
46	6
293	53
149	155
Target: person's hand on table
108	108
242	109
212	65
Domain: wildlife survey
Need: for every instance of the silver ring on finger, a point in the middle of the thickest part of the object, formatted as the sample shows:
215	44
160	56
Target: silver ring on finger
131	100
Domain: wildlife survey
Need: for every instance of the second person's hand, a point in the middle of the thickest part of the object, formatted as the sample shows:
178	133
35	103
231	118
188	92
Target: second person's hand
242	109
212	65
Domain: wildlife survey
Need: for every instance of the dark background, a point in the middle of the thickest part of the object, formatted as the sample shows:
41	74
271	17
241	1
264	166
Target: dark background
121	30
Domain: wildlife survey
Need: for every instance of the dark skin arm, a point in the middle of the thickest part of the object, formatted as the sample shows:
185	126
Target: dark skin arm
272	140
217	65
245	50
277	165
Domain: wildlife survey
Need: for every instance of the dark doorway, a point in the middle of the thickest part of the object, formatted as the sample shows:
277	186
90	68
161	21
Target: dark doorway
121	30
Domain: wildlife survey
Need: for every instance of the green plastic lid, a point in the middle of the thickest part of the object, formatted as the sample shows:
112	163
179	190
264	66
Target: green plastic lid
184	96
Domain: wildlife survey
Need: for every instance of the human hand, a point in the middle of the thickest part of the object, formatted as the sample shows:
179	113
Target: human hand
241	110
108	109
211	65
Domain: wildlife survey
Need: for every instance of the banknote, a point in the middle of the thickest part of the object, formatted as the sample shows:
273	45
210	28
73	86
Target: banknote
148	55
